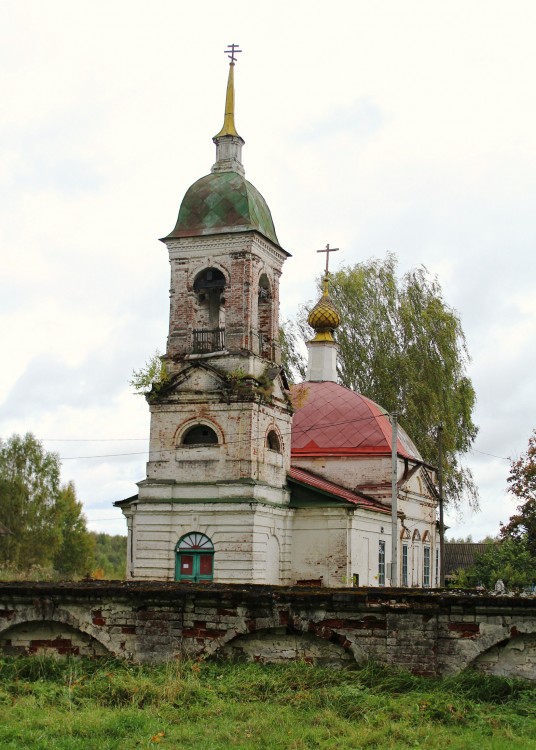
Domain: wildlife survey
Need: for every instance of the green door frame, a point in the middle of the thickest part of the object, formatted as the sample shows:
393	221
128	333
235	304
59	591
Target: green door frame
194	558
193	565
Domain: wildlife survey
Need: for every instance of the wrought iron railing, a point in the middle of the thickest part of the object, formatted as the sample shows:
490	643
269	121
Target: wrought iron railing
208	340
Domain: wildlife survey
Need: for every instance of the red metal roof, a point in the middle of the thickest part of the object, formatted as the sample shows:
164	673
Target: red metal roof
312	480
333	420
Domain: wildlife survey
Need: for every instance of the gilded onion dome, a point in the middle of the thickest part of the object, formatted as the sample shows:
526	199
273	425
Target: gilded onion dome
324	318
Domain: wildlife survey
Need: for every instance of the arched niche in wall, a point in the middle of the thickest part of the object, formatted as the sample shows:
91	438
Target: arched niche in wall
273	646
49	637
265	317
199	434
209	321
273	448
199	441
273	441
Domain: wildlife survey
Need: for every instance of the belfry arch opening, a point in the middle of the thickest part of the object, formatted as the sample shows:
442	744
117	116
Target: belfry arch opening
209	322
265	313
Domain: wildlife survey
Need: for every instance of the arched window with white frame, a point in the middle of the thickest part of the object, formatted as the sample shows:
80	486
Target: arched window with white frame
404	562
426	561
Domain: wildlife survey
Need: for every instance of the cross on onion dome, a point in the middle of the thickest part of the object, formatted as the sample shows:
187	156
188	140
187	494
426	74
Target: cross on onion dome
328	250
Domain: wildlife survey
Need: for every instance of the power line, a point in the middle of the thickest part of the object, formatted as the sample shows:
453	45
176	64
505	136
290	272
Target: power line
104	455
91	440
295	430
230	442
503	458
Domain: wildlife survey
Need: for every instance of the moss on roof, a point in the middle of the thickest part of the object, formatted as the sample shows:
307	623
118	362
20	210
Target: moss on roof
223	202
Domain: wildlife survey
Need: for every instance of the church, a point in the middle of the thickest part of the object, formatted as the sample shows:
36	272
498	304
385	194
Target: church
249	479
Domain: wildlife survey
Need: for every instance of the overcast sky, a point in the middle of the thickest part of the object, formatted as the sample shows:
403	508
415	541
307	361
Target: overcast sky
375	126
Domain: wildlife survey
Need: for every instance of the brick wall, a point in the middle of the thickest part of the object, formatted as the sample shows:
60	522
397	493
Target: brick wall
429	633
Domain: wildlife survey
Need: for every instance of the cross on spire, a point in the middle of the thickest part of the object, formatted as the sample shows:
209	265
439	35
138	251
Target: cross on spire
328	250
230	52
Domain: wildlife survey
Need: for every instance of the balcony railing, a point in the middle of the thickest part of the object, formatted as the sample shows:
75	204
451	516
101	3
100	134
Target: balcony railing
208	340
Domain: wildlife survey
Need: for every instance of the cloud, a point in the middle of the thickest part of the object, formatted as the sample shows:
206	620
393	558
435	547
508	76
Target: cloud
361	118
362	130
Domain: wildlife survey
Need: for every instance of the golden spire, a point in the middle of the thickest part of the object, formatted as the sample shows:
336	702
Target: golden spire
228	120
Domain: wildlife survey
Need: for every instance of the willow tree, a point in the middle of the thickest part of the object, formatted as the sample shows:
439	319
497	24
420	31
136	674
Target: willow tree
403	346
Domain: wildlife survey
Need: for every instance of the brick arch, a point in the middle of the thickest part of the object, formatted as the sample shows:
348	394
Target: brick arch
477	639
273	427
203	265
49	613
193	420
325	630
264	273
512	657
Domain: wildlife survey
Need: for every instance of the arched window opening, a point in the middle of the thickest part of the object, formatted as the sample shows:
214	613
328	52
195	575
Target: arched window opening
404	577
209	327
200	434
194	558
426	563
264	290
272	441
209	278
265	312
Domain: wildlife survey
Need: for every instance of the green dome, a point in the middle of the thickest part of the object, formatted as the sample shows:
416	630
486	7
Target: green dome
223	202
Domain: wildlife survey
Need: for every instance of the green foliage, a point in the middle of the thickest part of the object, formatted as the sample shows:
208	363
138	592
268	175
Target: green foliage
522	484
48	530
402	346
509	560
152	376
291	358
110	555
11	572
77	548
461	540
29	491
80	704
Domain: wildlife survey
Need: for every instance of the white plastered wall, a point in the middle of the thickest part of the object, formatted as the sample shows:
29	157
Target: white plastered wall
368	528
320	546
251	542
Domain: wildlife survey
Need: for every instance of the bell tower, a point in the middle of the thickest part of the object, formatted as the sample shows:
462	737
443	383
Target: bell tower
220	421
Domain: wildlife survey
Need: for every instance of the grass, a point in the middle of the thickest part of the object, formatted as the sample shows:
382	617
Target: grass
49	704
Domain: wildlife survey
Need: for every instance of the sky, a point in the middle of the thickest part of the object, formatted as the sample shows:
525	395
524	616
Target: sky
377	127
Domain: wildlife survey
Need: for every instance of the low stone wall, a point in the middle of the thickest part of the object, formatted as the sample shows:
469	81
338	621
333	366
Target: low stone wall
426	632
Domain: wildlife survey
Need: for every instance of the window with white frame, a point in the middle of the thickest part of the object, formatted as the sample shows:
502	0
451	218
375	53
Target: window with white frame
381	562
426	566
437	566
404	564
